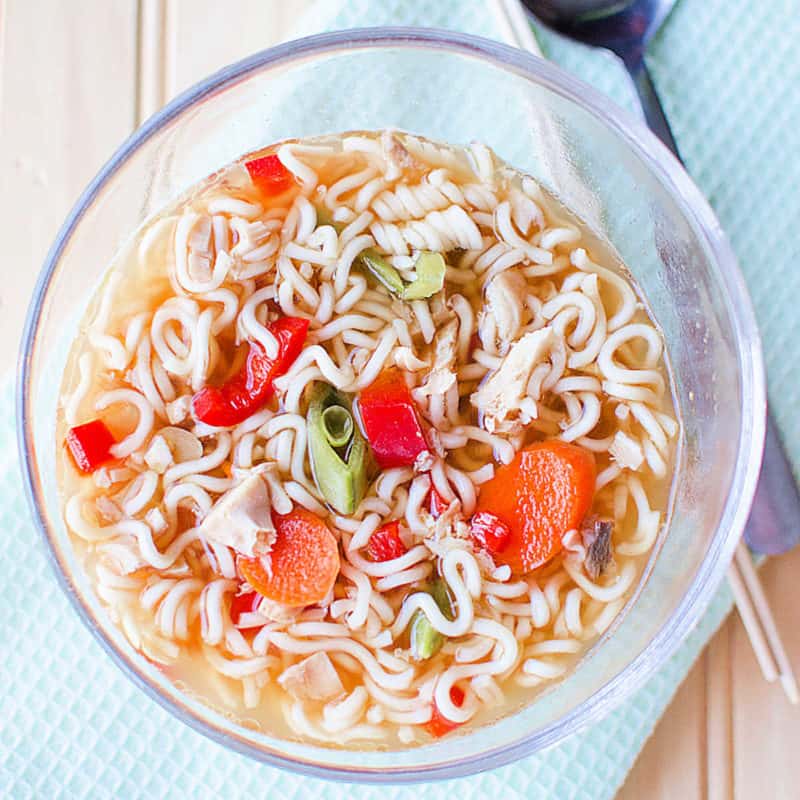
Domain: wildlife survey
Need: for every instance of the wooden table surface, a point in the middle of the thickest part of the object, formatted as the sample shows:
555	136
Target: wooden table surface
76	77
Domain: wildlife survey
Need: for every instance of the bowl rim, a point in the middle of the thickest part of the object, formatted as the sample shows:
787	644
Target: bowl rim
670	173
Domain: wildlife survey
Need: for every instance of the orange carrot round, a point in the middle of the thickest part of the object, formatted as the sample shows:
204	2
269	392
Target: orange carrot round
543	493
304	561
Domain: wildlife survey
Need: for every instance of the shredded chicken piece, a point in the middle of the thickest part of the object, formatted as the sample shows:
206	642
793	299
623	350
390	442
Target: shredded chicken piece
500	398
178	410
505	305
424	462
277	612
156	520
314	678
108	509
122	560
158	456
102	478
442	375
405	358
435	441
242	519
485	562
447	531
398	158
451	532
626	451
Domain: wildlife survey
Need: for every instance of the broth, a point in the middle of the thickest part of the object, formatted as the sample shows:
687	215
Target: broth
530	299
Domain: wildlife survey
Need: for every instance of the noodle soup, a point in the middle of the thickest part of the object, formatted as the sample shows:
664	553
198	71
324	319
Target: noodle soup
366	439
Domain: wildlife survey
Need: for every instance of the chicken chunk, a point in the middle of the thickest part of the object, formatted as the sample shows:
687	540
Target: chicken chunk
314	678
179	409
277	612
108	509
158	456
626	451
406	359
450	531
397	156
448	523
442	375
242	519
500	398
505	307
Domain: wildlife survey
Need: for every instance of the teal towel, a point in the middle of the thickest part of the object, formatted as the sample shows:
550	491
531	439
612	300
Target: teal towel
73	726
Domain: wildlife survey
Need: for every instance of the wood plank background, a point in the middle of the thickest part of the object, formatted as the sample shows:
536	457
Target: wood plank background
76	77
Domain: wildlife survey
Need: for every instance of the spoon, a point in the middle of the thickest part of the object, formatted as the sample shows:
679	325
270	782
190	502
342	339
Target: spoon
625	27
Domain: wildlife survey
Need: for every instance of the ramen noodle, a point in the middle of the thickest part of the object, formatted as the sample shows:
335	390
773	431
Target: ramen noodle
366	439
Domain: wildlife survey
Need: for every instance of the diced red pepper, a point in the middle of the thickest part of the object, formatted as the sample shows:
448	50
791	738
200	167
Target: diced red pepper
390	421
438	725
247	391
490	532
438	504
386	544
246	603
90	445
269	176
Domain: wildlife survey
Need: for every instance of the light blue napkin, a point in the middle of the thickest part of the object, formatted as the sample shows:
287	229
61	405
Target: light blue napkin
72	726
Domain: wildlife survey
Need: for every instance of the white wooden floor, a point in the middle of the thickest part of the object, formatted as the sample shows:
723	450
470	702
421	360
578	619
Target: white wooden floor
76	77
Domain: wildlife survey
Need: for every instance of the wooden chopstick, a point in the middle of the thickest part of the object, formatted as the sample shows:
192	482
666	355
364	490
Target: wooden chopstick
751	602
744	573
750	620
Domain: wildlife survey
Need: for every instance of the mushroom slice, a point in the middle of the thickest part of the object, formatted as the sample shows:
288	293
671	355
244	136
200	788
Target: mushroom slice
183	444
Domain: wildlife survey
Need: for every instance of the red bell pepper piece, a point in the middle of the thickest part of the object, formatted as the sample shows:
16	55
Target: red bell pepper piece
269	176
386	544
437	725
248	390
90	445
390	421
246	603
438	504
490	532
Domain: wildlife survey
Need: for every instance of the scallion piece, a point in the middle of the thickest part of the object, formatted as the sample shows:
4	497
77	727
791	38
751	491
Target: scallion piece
337	449
324	217
382	270
429	268
338	424
425	641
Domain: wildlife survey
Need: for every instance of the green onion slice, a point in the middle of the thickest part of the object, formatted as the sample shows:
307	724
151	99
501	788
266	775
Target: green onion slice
337	449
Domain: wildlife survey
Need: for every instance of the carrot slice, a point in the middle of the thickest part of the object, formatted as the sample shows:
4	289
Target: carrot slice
304	561
543	493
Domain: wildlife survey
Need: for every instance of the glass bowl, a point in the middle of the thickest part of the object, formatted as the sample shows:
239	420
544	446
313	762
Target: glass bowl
590	154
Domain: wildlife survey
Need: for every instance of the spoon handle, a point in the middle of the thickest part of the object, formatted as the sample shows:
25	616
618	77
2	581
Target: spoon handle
774	523
651	105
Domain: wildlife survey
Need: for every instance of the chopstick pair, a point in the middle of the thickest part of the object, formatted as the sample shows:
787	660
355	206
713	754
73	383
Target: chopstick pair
759	623
751	602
